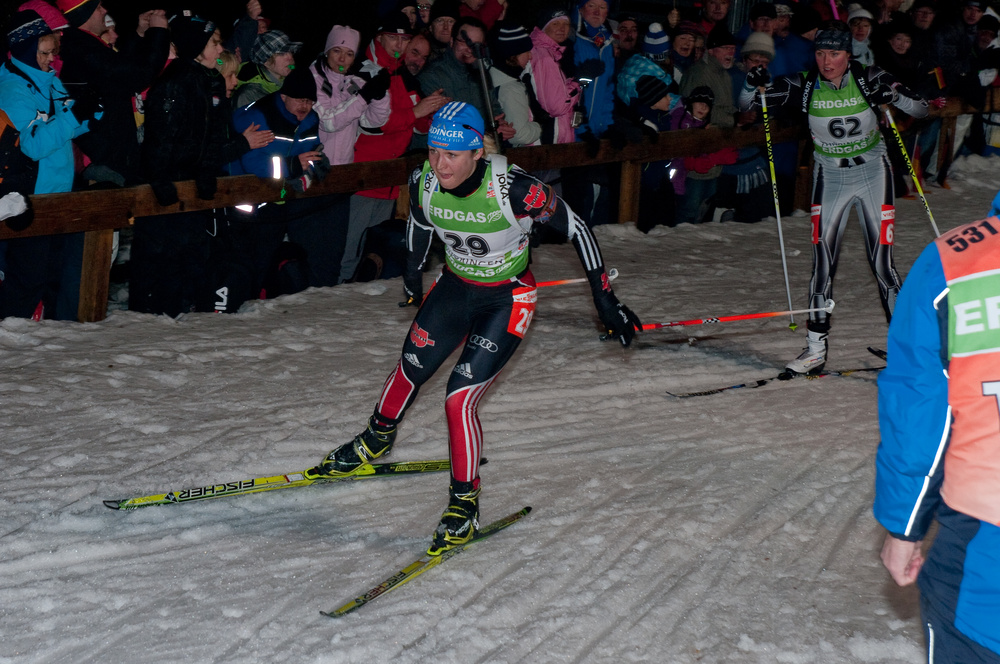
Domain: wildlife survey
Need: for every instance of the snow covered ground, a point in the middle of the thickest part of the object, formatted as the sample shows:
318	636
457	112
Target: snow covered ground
728	528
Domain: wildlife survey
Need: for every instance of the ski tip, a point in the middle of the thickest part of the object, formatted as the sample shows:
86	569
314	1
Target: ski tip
113	504
483	461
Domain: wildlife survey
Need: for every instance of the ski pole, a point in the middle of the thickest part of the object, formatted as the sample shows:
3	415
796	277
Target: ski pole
913	173
777	206
726	319
612	275
480	55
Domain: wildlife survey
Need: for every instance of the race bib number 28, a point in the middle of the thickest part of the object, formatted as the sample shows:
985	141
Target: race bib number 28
522	310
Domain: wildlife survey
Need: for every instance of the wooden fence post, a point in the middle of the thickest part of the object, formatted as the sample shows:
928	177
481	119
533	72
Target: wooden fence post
628	200
93	305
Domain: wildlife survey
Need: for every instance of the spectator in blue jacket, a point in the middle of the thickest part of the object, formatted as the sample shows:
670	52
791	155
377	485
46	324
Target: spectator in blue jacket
317	225
43	273
594	61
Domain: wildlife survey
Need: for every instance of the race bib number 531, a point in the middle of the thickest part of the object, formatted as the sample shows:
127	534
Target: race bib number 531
522	310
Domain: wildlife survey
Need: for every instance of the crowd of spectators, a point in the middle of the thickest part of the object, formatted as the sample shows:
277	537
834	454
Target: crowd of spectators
168	94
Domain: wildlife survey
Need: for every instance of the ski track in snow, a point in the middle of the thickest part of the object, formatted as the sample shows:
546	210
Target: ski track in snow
734	527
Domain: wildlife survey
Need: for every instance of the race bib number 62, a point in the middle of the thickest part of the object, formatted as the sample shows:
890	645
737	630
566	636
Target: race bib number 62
888	232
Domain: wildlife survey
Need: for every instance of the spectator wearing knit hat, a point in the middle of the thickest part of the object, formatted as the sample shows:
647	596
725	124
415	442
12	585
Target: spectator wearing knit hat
860	21
763	17
556	94
44	115
443	16
96	74
682	46
315	225
923	14
53	18
403	57
186	128
745	186
651	109
712	72
351	99
510	50
593	60
654	61
271	59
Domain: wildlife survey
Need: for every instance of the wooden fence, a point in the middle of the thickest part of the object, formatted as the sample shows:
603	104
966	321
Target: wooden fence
99	213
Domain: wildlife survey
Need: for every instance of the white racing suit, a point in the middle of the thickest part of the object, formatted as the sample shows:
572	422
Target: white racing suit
851	170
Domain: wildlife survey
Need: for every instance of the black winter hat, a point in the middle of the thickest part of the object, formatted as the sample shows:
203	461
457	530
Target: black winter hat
189	34
509	39
988	22
702	93
448	8
299	84
650	89
719	36
396	23
833	36
762	9
23	31
549	13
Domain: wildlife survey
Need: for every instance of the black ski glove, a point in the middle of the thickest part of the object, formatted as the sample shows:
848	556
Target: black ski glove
620	321
884	94
591	69
321	167
165	192
206	186
413	290
377	87
758	76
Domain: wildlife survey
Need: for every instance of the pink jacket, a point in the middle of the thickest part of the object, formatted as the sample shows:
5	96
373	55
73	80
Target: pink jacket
556	94
342	111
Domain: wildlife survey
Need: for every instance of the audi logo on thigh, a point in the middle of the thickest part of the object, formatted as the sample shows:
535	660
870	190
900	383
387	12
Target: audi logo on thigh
483	342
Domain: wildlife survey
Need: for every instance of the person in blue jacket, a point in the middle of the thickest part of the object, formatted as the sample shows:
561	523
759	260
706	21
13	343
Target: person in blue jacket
939	455
317	225
592	63
43	273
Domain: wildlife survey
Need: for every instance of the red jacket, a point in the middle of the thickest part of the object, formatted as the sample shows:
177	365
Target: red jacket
489	13
393	138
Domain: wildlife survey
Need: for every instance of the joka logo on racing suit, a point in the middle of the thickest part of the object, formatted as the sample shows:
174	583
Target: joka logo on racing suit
504	186
535	197
419	336
483	342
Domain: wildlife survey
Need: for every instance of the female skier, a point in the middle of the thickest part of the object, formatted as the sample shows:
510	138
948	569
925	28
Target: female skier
842	100
483	210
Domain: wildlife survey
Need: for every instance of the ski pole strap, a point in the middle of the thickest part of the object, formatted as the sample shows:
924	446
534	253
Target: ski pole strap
726	319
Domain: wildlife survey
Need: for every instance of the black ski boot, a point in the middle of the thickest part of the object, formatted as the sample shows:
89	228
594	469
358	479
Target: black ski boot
460	521
372	443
